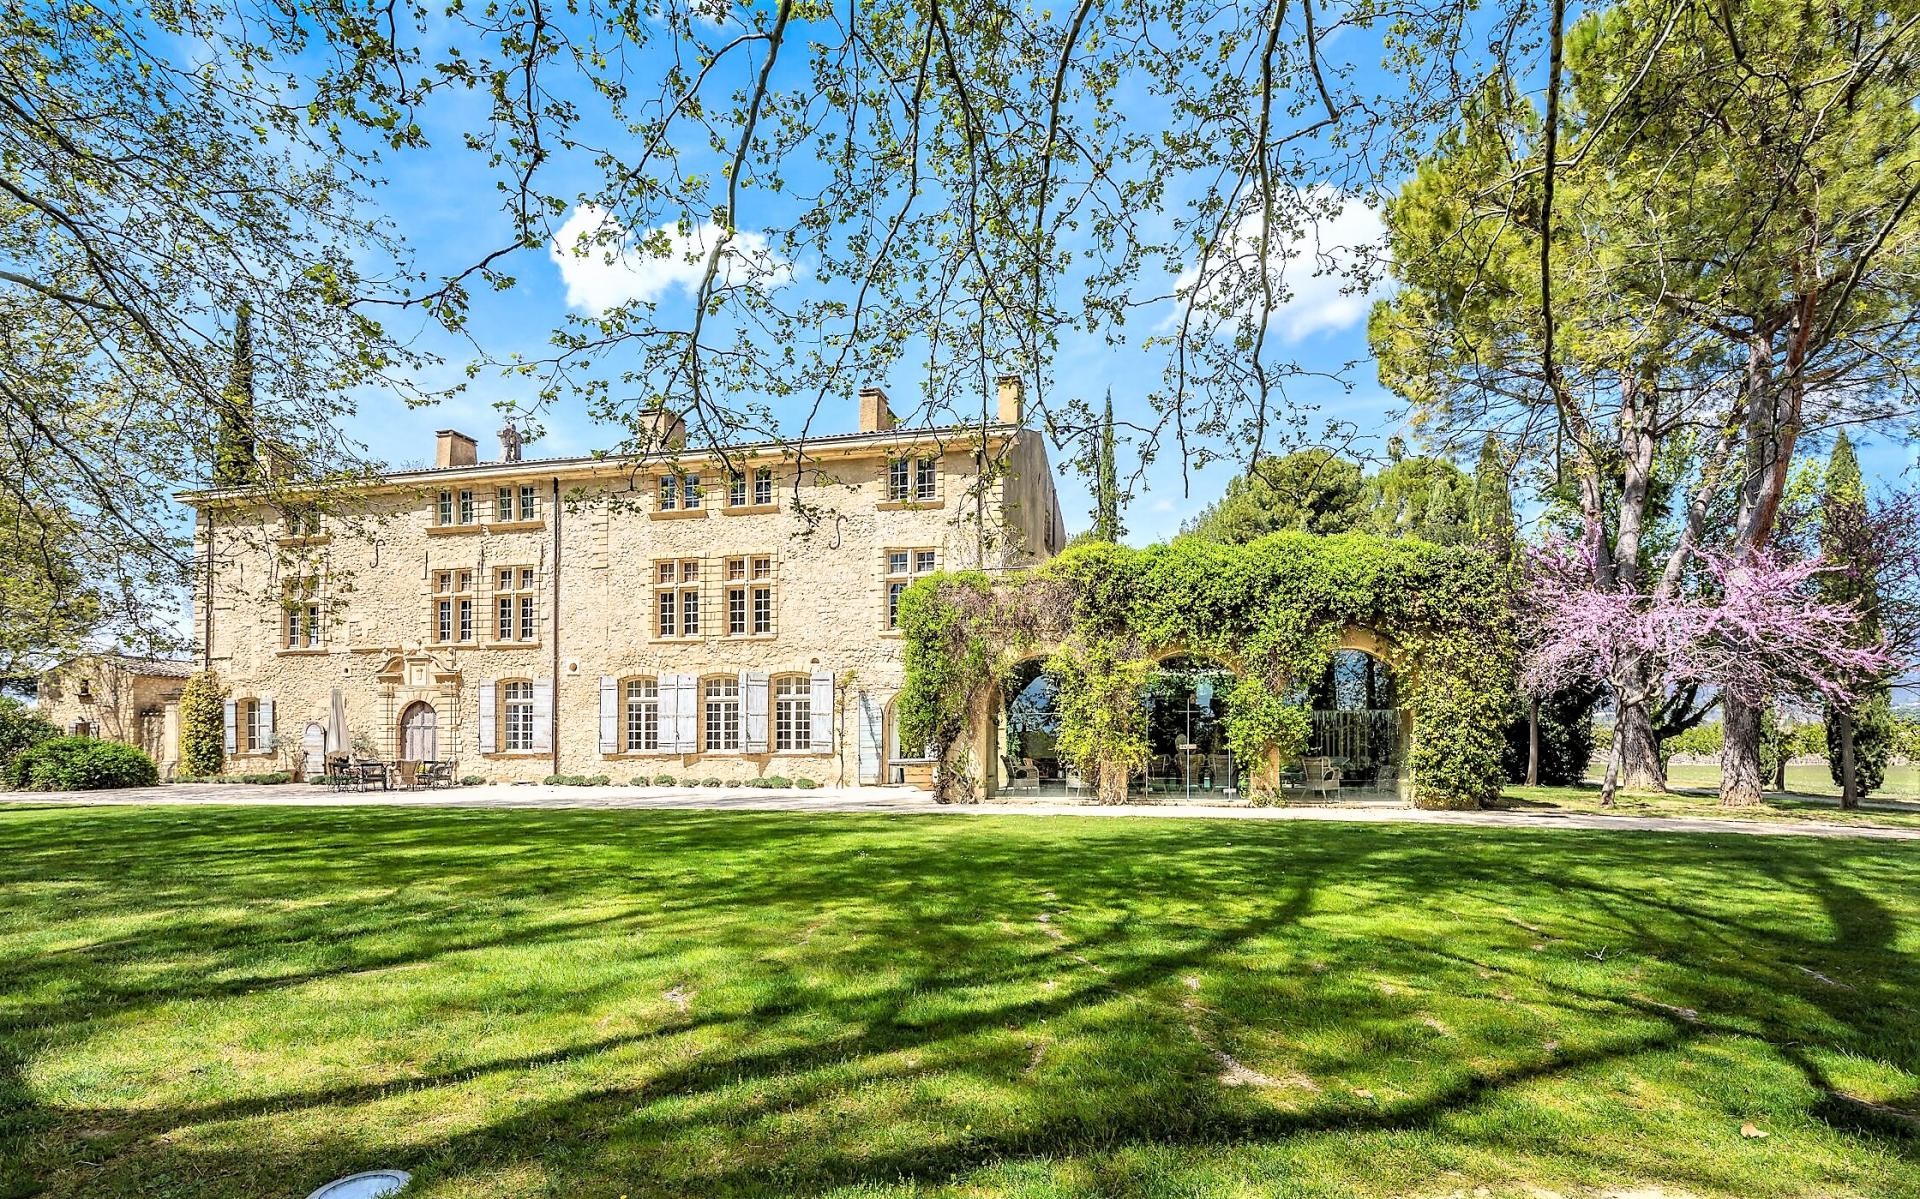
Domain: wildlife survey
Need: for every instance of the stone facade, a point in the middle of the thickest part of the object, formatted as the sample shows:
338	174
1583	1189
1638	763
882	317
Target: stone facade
135	700
389	602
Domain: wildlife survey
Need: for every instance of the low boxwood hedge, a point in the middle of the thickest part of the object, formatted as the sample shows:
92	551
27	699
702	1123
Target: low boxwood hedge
80	764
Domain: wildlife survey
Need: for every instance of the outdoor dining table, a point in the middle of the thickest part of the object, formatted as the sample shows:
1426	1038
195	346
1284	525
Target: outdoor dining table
368	772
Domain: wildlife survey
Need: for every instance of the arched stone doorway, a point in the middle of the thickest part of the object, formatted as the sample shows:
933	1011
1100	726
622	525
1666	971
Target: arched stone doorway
1360	730
419	735
1024	752
313	750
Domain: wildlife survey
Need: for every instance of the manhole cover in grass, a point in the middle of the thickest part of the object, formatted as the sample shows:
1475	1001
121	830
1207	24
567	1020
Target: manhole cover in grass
371	1185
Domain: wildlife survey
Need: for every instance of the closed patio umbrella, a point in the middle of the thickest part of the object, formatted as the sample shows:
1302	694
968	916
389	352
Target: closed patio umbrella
337	723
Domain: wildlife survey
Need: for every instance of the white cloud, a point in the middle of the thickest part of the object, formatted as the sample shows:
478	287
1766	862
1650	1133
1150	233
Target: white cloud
605	265
1312	266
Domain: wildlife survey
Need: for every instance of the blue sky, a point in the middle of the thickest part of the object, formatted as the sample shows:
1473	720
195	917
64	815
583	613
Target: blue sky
445	203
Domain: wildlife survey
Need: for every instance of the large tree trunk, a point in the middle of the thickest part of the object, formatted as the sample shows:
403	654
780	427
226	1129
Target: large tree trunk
1849	764
1533	741
1740	757
1640	766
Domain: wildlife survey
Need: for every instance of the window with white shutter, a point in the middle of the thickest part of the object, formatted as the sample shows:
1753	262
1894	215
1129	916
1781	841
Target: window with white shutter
822	712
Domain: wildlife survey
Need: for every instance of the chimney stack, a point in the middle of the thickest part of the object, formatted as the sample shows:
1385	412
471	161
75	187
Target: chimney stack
1013	397
664	430
875	416
454	448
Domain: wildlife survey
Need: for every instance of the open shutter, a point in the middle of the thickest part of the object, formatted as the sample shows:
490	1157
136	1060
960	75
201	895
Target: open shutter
609	715
486	716
542	715
686	722
753	701
822	706
266	723
669	718
872	720
233	726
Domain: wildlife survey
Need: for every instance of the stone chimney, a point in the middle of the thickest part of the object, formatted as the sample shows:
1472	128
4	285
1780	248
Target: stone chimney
454	448
1013	398
664	430
875	416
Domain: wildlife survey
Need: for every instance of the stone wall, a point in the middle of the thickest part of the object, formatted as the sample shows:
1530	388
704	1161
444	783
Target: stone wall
118	699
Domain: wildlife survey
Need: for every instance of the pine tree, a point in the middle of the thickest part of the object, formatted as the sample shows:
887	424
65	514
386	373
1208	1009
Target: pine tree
1444	522
1107	526
233	454
1859	736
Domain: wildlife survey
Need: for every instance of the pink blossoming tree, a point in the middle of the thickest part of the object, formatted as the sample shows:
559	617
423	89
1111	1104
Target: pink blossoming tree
1757	630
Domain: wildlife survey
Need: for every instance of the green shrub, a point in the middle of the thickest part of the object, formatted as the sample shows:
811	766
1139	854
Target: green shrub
710	783
599	780
271	779
663	780
80	764
779	781
805	784
203	725
21	728
760	783
473	780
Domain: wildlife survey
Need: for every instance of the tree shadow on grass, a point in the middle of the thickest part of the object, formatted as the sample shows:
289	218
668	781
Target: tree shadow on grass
943	973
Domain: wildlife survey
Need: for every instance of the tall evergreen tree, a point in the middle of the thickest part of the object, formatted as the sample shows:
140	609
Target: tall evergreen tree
1859	735
233	453
1106	525
1492	515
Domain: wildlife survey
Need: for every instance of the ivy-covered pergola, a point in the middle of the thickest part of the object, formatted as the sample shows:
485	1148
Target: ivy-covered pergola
1275	610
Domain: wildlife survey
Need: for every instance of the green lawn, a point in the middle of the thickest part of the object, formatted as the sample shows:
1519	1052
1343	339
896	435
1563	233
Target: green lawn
218	1002
1808	778
1777	807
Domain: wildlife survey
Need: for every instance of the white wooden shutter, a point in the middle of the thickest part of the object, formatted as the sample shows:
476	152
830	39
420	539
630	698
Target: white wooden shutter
266	722
753	701
609	715
487	719
542	715
233	730
822	705
668	692
686	723
872	722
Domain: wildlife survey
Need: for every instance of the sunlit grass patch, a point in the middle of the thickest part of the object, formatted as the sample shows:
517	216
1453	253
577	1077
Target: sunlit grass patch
247	1002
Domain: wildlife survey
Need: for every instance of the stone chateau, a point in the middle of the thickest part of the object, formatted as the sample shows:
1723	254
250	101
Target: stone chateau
701	612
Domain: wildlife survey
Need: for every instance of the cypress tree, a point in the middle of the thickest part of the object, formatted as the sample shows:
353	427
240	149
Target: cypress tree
1107	526
1859	736
233	454
1492	516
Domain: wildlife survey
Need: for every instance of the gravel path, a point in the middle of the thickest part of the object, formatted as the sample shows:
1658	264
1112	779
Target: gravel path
900	801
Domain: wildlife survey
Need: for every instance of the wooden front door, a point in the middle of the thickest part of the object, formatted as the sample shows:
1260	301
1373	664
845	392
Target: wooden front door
419	741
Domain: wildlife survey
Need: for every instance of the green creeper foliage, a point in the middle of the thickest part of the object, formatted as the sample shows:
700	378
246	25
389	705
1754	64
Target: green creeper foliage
1274	609
203	730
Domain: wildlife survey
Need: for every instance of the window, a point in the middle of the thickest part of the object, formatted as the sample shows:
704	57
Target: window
677	598
250	733
736	597
925	478
721	714
643	715
452	605
516	709
763	485
897	479
302	520
444	513
669	493
503	504
913	479
903	567
690	492
301	614
86	691
529	502
466	507
749	595
736	490
513	610
792	712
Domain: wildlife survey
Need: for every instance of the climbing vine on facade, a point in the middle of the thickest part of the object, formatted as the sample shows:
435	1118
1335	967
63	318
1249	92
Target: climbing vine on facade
1274	610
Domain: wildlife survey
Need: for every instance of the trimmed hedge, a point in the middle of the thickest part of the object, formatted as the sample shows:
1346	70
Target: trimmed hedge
80	764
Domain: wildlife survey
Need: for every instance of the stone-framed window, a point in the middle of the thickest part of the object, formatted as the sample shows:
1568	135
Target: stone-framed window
641	699
300	624
899	479
720	714
452	614
913	479
454	508
516	715
250	727
763	485
749	595
301	520
676	598
736	490
903	567
516	503
515	613
792	712
926	478
669	492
